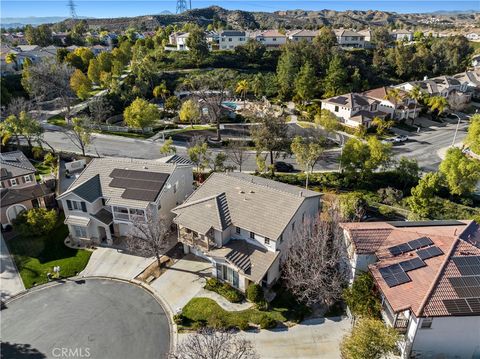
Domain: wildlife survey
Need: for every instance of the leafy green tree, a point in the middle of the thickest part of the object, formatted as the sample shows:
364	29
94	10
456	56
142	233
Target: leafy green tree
38	221
141	114
408	173
11	58
460	172
325	47
327	120
417	95
242	89
172	103
437	105
362	298
336	78
287	69
258	85
168	148
39	35
105	61
307	152
189	112
161	91
30	128
62	54
394	95
370	338
422	202
306	83
353	206
10	128
198	155
270	134
94	71
473	137
197	44
81	84
251	51
382	126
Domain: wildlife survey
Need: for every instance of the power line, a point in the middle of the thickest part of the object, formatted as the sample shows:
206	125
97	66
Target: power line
183	5
71	5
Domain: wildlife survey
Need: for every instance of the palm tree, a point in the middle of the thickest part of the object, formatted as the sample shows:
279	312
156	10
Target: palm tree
437	104
417	95
257	85
242	89
162	92
12	58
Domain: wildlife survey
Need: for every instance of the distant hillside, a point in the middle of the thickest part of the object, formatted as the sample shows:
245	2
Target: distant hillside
9	22
288	19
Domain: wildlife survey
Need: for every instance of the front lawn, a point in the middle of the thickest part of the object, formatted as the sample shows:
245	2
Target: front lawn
128	134
42	169
57	120
35	256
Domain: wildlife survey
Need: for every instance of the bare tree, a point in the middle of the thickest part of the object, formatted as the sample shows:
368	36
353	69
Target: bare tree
100	108
18	105
237	153
80	133
211	90
149	236
48	80
209	344
314	269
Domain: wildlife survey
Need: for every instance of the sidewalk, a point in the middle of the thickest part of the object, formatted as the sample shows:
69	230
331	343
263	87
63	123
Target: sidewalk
10	280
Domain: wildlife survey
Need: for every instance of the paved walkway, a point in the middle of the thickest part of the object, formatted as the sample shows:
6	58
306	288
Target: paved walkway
10	281
223	302
314	338
111	262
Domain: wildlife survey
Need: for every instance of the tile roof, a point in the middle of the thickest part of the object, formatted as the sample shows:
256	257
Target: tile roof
176	159
349	100
104	216
14	164
430	285
102	168
253	203
12	195
253	261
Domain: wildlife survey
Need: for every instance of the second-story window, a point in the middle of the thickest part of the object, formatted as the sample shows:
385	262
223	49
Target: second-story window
27	179
229	39
252	235
267	241
280	239
293	226
336	108
13	182
237	230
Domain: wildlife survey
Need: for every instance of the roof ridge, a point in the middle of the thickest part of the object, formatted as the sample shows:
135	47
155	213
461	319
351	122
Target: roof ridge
5	161
198	201
437	277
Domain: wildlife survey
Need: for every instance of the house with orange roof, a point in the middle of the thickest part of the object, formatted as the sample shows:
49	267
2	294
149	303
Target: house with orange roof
428	276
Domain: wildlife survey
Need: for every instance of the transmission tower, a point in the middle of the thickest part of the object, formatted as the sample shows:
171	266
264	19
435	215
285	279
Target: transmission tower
183	5
71	5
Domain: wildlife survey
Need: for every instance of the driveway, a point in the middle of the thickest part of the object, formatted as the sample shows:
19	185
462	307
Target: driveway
110	262
10	281
90	318
182	281
314	338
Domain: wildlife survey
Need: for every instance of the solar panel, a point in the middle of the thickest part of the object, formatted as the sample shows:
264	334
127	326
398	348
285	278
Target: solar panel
468	265
410	246
457	306
466	287
140	194
394	275
395	251
412	264
429	252
138	185
474	304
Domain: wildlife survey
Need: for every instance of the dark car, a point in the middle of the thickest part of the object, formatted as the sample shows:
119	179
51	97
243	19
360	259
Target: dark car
281	166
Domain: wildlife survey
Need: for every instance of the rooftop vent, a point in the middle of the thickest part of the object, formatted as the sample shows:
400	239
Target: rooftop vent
252	191
241	192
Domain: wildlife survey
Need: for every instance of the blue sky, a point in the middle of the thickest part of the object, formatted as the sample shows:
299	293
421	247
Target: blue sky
115	8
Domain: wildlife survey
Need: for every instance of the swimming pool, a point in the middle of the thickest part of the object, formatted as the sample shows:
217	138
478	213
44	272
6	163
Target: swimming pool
229	104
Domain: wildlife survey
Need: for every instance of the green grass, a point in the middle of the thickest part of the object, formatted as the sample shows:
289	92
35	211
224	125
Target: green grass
42	169
35	256
306	124
190	128
57	120
127	134
475	45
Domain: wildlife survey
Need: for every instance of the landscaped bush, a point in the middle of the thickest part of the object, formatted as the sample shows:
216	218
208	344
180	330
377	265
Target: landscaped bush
178	319
255	293
217	321
224	289
267	322
386	211
37	221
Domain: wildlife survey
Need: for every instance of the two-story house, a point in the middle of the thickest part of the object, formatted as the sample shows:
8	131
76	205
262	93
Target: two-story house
302	35
19	189
112	193
402	35
428	277
230	39
354	109
349	38
270	38
397	109
242	224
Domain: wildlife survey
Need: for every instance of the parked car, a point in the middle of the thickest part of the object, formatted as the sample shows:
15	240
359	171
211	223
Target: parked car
281	166
389	140
401	138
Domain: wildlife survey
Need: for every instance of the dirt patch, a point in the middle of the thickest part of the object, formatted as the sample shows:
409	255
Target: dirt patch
152	272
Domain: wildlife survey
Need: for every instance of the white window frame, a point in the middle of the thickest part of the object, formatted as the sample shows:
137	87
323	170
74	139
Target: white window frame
27	179
426	323
13	182
80	232
266	241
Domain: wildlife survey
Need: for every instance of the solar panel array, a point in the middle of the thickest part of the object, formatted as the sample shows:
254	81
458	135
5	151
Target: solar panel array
394	275
462	306
410	246
466	287
469	265
429	252
412	264
138	185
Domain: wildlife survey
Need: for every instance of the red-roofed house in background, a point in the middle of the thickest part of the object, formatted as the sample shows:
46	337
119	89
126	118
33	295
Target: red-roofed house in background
428	277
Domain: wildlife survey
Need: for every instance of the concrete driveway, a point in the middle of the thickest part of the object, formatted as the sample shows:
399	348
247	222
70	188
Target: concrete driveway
10	281
111	262
314	338
182	281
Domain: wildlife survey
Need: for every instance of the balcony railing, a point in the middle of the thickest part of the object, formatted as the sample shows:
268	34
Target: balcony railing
401	325
196	240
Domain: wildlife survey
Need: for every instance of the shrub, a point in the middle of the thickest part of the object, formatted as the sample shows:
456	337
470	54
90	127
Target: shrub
36	221
199	324
255	293
224	289
216	321
178	319
243	324
267	322
386	211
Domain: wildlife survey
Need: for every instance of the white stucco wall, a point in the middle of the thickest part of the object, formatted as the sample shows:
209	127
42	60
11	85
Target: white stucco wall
449	337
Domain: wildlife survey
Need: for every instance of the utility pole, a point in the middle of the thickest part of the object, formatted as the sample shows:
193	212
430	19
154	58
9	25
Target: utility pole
71	5
183	5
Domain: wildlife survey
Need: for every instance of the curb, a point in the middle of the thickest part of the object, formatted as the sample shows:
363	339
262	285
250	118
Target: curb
160	300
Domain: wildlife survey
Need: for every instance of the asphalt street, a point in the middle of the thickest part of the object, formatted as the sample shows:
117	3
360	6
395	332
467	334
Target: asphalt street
423	146
97	319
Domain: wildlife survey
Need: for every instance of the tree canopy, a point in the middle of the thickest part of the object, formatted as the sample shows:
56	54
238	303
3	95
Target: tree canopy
141	114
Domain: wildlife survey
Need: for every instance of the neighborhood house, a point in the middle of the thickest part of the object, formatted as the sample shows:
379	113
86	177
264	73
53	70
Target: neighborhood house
242	225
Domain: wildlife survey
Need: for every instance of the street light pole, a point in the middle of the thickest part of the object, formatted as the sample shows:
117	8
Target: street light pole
456	130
